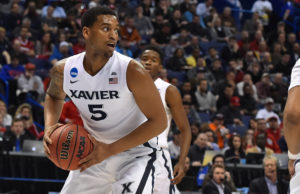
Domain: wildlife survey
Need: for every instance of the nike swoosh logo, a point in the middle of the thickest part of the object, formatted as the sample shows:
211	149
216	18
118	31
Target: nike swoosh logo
72	82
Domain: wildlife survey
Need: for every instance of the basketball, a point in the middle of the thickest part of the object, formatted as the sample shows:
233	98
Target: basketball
70	143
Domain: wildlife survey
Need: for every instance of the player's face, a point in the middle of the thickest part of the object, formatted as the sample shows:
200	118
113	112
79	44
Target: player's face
103	36
151	62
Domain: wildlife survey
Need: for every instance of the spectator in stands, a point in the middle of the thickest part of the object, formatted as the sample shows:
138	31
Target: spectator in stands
271	182
205	99
184	37
219	32
279	91
196	29
217	70
196	53
174	146
177	62
285	66
202	9
267	111
232	113
30	85
16	135
24	112
12	72
247	79
291	40
217	125
58	12
248	102
271	142
260	145
227	19
62	52
217	184
219	159
5	46
281	39
79	46
191	112
197	150
264	88
211	140
177	21
130	34
31	13
6	118
195	129
16	51
171	47
296	52
235	151
13	19
50	20
273	129
27	46
264	9
70	114
143	24
225	96
44	48
230	51
248	140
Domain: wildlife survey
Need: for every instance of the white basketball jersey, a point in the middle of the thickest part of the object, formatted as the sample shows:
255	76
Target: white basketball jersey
295	76
162	86
106	105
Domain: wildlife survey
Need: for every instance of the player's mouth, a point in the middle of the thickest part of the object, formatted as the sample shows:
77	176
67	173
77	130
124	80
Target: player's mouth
111	45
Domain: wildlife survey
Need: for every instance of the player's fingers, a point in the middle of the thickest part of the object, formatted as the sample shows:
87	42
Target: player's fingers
86	165
47	139
46	149
177	179
53	127
86	159
291	167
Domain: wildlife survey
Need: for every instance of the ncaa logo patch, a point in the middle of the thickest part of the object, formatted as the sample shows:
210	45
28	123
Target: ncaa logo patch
74	72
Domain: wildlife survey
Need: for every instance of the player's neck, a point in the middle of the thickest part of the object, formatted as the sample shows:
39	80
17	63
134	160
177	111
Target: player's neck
155	77
94	62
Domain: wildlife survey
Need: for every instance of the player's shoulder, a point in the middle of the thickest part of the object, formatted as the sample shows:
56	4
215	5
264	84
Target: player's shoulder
58	67
134	67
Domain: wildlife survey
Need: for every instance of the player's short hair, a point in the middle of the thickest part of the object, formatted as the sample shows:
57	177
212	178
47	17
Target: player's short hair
90	16
156	49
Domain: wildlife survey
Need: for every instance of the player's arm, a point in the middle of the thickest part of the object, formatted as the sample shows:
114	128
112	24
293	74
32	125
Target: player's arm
148	99
54	101
174	102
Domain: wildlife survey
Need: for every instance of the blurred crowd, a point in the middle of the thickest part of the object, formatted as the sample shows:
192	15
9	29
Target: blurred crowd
231	67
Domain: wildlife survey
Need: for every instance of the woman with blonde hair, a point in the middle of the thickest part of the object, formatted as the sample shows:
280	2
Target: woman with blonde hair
24	112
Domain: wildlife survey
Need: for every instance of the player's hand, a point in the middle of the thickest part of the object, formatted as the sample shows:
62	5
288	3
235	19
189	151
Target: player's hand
178	173
46	140
100	153
291	167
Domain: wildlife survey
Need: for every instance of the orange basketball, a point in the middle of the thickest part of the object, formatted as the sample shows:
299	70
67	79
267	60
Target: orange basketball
70	143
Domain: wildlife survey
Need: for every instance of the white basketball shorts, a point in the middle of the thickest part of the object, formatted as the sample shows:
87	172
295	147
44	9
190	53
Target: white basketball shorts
295	180
131	172
164	174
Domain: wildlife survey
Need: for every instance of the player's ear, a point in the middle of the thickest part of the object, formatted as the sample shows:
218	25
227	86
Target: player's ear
85	32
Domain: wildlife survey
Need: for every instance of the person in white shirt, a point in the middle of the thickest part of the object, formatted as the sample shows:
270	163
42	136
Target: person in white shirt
202	9
267	111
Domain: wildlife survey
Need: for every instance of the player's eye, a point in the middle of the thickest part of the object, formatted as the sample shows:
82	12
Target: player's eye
106	29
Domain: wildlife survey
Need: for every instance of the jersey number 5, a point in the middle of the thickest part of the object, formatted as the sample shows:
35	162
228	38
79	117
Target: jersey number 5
98	114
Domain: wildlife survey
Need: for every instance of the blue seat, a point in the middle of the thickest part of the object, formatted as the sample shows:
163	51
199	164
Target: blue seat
205	117
246	120
241	130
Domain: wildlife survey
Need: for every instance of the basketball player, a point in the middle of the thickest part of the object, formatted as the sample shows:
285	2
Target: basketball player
119	105
151	59
291	124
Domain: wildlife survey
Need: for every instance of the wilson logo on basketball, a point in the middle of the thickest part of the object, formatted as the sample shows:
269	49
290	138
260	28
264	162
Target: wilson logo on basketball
81	147
64	154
